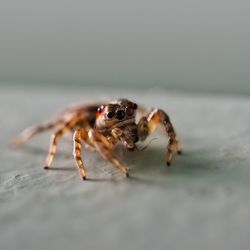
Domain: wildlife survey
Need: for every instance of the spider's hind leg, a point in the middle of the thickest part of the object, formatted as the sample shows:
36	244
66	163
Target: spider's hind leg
30	132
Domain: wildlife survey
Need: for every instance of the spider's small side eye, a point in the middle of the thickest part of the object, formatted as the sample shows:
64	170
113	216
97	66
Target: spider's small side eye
129	111
100	109
120	114
110	114
135	106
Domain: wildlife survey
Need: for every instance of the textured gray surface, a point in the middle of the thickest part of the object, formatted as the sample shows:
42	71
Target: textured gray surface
201	202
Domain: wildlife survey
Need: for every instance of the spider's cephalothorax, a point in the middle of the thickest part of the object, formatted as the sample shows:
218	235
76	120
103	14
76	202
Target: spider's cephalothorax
101	126
118	116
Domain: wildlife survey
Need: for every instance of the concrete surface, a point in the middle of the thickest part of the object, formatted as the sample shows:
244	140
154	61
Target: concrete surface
201	202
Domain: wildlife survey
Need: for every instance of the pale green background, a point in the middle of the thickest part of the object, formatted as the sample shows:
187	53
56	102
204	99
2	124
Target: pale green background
194	45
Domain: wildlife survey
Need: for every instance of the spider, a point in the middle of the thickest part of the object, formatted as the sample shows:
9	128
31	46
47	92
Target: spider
102	126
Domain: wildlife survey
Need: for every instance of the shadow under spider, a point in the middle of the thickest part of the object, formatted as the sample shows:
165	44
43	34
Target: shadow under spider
34	150
61	169
148	165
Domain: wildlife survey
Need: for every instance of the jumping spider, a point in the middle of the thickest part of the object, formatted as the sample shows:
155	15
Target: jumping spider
101	126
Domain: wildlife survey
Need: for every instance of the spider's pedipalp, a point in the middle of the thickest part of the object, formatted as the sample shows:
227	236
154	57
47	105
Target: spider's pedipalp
142	128
128	141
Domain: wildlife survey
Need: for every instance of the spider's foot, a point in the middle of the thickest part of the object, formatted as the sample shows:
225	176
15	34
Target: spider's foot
126	171
179	152
46	167
82	174
168	163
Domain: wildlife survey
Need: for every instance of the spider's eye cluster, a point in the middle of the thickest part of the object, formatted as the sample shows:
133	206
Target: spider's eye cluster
119	114
120	110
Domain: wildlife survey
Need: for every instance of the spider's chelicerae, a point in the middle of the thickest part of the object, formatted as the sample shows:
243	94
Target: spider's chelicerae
101	126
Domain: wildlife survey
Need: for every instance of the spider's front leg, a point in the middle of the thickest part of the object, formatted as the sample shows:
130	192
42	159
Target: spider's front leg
148	124
104	147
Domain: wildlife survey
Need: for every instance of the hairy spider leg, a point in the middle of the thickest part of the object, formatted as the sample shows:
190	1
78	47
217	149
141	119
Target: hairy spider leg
68	126
104	148
158	116
30	132
80	135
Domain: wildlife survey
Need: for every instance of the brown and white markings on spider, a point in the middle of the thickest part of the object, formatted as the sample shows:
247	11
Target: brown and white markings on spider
101	126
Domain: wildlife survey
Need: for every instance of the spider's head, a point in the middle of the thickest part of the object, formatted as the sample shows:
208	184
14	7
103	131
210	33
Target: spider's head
119	112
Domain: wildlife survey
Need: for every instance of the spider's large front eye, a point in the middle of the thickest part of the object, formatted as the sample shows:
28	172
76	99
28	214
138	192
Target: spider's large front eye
120	114
110	114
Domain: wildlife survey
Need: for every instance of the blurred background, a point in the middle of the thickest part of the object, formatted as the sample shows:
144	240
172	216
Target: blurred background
186	45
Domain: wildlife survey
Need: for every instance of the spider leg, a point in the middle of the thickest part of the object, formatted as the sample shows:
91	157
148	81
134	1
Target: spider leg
104	148
79	135
148	124
55	138
30	132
